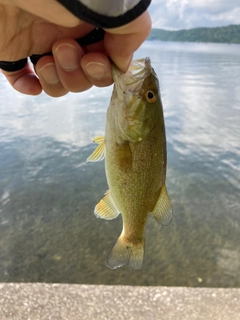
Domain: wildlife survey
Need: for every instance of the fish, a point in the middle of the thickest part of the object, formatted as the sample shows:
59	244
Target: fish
134	148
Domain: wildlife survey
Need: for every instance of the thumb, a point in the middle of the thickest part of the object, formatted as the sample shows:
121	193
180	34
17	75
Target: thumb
120	43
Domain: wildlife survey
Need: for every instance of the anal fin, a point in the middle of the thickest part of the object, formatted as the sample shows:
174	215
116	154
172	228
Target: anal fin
162	211
106	208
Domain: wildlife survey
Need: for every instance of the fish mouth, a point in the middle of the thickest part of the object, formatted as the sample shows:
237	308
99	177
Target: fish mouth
138	70
132	80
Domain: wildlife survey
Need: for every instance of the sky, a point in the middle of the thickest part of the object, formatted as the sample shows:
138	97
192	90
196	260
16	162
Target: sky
186	14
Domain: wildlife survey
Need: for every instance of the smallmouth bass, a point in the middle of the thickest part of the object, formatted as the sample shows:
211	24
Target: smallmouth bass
134	148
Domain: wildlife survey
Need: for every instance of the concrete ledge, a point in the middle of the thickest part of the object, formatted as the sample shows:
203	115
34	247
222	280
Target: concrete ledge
38	301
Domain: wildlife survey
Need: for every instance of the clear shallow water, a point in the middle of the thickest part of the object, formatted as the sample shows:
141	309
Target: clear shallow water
48	231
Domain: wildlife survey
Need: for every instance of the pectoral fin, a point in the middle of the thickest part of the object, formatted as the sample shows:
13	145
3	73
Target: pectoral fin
99	153
98	139
162	211
106	208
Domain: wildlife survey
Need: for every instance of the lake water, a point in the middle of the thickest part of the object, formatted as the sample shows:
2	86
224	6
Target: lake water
48	231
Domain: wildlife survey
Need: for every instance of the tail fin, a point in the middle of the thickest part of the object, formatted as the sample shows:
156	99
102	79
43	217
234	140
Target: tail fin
126	253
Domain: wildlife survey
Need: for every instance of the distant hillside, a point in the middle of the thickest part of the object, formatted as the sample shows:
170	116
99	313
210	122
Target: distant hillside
229	34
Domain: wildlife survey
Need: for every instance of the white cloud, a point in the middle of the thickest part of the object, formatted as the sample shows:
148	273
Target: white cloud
186	14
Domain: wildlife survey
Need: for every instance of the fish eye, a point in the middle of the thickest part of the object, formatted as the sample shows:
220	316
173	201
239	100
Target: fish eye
150	96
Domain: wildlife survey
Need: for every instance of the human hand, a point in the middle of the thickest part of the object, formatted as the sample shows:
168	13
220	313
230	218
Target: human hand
28	28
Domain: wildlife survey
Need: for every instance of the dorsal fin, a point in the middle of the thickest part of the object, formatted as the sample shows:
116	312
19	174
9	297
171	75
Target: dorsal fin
162	211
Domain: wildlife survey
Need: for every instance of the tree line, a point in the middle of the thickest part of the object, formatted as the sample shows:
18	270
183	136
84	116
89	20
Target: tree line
229	34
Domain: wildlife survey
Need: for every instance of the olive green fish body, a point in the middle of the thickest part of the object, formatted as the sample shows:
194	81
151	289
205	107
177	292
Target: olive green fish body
135	161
